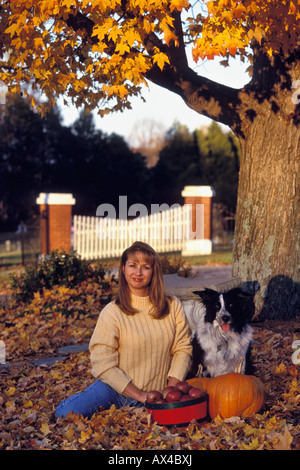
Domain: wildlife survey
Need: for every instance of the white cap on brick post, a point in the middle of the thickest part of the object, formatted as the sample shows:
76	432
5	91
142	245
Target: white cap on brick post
56	199
198	191
56	219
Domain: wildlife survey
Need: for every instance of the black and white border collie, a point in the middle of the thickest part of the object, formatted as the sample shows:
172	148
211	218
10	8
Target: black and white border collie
222	336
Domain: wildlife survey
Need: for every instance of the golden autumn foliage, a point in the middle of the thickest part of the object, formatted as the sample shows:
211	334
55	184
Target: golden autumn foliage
88	51
232	26
101	52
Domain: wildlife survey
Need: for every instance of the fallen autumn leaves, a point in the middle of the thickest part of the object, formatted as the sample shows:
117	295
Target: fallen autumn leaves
30	394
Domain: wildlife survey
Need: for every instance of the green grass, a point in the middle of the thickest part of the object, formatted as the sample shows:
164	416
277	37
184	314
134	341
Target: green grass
216	258
10	258
222	255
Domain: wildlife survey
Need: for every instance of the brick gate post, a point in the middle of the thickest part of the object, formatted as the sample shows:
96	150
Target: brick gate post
56	219
199	197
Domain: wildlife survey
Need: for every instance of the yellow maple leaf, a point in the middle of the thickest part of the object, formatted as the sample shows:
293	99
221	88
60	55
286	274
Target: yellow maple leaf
39	39
10	391
122	91
63	289
258	34
45	428
170	36
253	445
84	436
122	48
161	59
38	42
69	433
27	404
11	29
178	5
68	3
281	369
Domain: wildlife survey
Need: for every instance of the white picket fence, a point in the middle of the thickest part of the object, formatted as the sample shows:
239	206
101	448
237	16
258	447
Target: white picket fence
98	237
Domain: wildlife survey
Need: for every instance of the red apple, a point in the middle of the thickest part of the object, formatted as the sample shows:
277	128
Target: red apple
186	398
153	396
195	392
183	386
160	401
166	390
173	396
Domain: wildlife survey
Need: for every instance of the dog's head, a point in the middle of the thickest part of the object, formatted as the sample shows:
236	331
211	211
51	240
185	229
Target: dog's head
232	310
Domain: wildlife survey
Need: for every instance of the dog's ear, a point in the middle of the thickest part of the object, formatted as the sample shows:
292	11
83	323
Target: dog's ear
245	302
198	292
206	294
245	295
239	293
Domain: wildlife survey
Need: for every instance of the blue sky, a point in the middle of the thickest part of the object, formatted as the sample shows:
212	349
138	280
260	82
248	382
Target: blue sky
163	106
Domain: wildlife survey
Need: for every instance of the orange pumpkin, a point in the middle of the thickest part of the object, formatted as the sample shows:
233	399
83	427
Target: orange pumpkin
232	394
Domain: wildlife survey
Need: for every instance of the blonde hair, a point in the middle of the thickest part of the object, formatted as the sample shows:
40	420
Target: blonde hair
157	295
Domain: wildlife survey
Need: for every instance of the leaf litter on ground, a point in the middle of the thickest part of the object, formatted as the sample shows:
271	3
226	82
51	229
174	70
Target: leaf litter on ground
29	394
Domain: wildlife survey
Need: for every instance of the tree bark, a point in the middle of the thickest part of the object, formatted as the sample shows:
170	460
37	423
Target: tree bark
266	244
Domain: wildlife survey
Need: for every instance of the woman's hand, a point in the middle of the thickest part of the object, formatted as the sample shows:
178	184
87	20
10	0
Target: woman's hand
134	392
173	381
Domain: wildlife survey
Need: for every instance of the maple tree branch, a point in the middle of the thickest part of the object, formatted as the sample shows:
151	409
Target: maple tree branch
178	52
216	101
205	96
175	52
79	21
210	98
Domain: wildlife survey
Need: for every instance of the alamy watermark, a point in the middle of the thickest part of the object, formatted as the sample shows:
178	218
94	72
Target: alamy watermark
2	352
2	93
296	354
296	94
162	221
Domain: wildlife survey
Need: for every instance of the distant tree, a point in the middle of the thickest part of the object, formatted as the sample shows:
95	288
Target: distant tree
172	171
148	138
104	167
220	153
42	155
202	157
24	161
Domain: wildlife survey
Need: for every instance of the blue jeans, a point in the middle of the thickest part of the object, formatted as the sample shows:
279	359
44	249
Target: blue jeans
98	394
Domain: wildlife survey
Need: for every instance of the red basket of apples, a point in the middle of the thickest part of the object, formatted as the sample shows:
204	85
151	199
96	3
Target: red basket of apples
178	405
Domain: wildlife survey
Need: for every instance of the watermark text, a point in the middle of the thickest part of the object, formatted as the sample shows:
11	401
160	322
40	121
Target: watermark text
296	354
296	94
161	222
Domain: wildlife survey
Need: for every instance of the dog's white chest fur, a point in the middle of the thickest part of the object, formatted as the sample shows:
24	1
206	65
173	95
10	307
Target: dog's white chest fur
224	352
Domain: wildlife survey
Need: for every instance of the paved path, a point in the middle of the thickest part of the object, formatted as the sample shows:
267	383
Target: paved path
215	277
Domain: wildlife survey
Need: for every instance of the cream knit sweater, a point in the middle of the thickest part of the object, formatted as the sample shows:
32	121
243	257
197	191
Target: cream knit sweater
138	348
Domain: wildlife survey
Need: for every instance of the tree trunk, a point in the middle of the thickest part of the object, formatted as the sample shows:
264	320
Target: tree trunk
266	246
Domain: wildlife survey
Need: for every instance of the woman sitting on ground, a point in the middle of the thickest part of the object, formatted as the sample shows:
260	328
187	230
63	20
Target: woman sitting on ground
141	340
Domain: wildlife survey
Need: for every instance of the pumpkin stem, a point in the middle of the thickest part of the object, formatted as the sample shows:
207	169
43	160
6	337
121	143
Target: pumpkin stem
239	367
200	382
